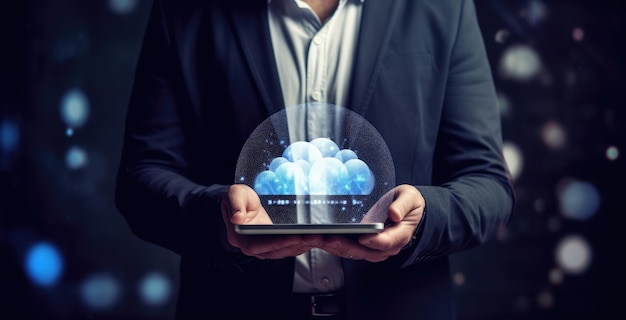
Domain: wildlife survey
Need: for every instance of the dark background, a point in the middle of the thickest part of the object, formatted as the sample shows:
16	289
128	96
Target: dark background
559	72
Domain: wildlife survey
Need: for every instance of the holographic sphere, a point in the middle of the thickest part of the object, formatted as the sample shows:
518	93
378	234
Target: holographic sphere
316	154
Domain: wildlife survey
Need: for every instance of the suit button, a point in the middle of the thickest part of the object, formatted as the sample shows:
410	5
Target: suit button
316	96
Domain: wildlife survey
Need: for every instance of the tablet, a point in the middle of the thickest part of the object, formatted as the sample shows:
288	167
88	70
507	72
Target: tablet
300	228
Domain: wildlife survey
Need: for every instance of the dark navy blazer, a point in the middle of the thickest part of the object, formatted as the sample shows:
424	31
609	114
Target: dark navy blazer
206	78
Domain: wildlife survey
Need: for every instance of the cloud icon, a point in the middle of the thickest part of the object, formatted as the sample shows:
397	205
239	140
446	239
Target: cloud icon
317	167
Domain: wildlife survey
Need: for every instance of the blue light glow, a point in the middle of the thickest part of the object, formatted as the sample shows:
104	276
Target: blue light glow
44	264
75	158
302	150
100	291
122	6
579	200
292	178
155	289
277	162
536	12
9	136
317	168
329	176
327	147
74	108
345	155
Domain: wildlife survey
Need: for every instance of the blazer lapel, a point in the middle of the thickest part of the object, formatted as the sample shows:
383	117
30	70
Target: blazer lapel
251	24
376	26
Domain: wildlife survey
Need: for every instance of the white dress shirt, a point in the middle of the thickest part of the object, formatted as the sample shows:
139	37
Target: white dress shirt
315	61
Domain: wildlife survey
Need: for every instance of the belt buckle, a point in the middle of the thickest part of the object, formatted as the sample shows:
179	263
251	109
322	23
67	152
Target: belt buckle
314	303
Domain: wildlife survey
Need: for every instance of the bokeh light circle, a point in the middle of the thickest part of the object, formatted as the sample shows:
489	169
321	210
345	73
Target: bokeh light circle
520	62
573	254
545	299
555	276
578	34
122	6
459	278
75	158
100	291
155	289
513	158
612	153
502	36
578	200
44	264
536	12
9	136
74	108
553	135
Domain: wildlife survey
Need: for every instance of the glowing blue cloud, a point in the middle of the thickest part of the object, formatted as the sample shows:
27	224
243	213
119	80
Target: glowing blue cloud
317	167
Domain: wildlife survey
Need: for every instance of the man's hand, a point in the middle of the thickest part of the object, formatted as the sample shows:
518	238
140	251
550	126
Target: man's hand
241	205
404	213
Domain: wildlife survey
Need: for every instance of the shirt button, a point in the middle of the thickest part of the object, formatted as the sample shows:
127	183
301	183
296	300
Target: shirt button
325	281
317	96
318	40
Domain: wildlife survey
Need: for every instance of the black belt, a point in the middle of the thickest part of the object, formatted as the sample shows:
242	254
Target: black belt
320	305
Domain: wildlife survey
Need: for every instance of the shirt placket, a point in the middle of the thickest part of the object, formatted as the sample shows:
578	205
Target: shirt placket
316	66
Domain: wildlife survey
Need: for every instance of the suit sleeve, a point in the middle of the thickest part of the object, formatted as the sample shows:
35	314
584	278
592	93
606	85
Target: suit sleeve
472	195
155	188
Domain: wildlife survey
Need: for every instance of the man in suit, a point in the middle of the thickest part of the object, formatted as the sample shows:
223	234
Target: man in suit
211	71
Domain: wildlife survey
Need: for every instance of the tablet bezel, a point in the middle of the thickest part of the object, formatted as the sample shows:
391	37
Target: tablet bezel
300	228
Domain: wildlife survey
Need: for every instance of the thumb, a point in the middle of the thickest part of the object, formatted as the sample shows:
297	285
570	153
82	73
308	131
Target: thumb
235	204
407	198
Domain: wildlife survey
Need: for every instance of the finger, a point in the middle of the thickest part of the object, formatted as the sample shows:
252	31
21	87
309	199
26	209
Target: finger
243	206
260	245
291	251
236	199
406	199
392	238
350	249
239	203
313	240
240	217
